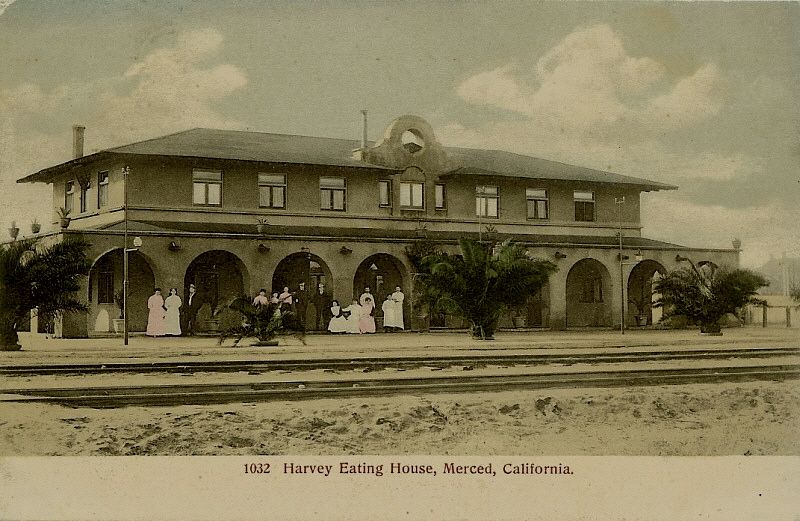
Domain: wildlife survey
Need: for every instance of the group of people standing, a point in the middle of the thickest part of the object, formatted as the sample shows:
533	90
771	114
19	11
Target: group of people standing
359	316
166	316
170	317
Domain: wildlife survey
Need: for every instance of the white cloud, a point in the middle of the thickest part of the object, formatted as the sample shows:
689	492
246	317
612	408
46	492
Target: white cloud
172	88
588	102
4	5
172	91
588	82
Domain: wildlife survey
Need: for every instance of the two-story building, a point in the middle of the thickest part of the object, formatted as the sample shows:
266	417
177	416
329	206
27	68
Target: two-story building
234	212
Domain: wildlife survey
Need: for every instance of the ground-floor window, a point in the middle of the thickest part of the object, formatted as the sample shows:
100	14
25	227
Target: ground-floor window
105	287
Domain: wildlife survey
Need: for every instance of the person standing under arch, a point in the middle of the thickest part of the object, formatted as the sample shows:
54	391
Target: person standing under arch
366	322
172	319
155	318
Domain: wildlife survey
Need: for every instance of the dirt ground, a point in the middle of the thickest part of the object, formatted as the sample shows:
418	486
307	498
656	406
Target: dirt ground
758	418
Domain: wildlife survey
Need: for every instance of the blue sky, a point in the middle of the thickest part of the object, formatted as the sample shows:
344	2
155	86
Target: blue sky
701	95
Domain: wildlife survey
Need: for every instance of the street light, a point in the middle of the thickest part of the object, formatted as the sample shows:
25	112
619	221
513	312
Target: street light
619	201
137	243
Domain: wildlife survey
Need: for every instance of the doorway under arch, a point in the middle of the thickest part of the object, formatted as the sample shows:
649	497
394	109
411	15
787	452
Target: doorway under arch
381	273
308	270
640	292
588	294
219	276
106	277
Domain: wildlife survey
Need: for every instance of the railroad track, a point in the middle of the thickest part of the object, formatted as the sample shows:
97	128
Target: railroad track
193	394
402	362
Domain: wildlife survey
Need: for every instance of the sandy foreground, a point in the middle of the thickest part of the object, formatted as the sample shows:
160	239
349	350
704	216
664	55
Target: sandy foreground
758	418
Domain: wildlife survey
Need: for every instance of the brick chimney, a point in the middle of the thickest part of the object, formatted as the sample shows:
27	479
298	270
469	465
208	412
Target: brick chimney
77	141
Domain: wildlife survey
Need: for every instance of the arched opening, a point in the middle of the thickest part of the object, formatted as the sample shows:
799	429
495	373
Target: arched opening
219	276
381	273
588	294
303	273
106	278
412	140
640	293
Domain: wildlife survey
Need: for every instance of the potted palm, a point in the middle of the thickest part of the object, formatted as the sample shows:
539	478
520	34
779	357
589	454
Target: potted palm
262	322
483	283
119	323
63	217
45	277
212	324
35	226
704	297
262	226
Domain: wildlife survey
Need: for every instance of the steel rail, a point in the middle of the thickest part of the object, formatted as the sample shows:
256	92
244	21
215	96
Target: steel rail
373	362
193	394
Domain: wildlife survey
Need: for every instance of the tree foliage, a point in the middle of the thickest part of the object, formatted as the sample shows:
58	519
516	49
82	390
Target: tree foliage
484	282
37	276
794	292
705	295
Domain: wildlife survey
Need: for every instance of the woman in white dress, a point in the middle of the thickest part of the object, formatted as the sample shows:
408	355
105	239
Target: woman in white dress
155	319
355	316
338	323
388	308
173	317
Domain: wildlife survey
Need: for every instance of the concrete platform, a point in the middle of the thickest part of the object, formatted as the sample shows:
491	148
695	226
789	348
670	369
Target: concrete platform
38	349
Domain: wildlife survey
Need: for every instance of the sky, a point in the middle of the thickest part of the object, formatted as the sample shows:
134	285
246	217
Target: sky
700	95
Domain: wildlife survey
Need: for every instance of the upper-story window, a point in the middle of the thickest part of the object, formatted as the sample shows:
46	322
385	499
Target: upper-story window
487	201
69	196
385	194
207	187
412	195
332	193
84	195
584	206
439	197
272	190
537	203
102	189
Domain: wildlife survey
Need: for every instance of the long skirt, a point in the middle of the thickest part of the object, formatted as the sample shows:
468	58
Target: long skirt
338	325
155	323
172	321
367	324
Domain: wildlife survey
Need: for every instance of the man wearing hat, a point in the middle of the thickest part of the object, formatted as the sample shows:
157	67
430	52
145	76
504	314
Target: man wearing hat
193	304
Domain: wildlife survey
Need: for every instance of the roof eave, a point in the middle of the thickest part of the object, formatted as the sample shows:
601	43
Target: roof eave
644	186
46	174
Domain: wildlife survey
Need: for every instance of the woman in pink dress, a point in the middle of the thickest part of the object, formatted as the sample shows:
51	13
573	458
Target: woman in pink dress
366	322
156	325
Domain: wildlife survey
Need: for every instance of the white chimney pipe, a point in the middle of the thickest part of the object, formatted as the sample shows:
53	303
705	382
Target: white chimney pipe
77	141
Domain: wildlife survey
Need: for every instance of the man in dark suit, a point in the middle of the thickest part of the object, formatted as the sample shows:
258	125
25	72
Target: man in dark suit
322	304
300	305
191	307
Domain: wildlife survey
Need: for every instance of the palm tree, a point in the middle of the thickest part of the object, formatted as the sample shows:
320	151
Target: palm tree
484	282
33	275
705	295
263	322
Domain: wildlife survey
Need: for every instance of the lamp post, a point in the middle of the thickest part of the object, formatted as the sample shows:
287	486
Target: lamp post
137	243
619	201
